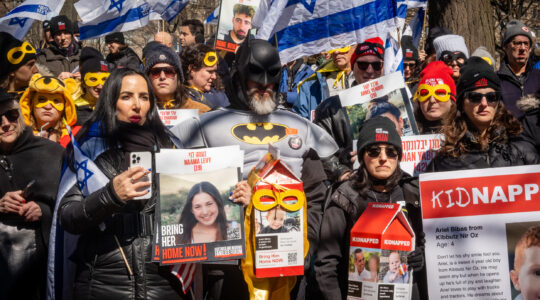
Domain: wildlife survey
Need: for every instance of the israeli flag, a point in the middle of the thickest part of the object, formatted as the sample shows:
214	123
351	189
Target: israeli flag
393	56
416	26
213	17
306	27
18	21
167	9
101	17
60	270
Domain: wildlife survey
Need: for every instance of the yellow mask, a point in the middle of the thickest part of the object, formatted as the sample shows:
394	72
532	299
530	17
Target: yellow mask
24	49
273	198
94	79
441	92
210	59
41	100
340	50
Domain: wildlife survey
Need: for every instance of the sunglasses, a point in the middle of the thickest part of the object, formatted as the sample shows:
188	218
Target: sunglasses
476	98
11	115
156	72
374	152
409	65
448	57
364	65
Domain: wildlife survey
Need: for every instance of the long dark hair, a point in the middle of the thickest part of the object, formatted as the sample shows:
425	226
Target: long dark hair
187	219
362	181
104	115
503	126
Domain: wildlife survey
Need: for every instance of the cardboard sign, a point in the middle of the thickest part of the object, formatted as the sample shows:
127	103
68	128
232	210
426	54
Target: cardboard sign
418	152
473	221
198	222
380	241
172	117
279	218
235	17
385	96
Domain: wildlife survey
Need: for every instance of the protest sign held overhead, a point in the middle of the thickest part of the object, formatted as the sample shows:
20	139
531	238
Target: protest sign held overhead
198	221
235	18
475	225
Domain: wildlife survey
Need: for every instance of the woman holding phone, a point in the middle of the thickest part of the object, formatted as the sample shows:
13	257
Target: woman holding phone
113	253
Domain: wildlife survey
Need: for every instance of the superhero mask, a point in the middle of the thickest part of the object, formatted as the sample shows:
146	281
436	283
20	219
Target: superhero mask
17	54
267	198
210	59
94	79
441	92
56	100
340	50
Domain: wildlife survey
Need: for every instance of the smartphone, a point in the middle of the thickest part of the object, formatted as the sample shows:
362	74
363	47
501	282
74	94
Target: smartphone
27	188
144	160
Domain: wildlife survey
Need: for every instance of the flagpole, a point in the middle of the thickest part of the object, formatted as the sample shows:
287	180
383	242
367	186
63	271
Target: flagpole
423	39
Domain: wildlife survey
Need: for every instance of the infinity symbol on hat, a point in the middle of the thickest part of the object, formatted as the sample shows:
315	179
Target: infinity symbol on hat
24	49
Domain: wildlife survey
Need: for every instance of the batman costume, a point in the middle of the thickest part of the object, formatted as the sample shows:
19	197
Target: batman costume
301	144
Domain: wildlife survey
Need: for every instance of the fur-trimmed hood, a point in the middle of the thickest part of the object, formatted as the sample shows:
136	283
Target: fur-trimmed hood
528	103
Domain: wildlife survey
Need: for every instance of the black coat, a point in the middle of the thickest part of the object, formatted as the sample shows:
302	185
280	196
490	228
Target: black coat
125	58
31	158
516	151
531	120
344	209
101	270
514	88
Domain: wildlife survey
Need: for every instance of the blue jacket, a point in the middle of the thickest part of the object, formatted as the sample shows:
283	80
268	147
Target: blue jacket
292	92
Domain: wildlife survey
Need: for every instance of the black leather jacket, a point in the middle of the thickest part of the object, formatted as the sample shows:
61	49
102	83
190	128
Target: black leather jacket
101	270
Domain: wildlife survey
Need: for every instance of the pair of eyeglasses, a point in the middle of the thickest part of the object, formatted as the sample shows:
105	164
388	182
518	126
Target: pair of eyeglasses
375	151
476	98
11	115
519	44
409	65
364	65
448	57
156	72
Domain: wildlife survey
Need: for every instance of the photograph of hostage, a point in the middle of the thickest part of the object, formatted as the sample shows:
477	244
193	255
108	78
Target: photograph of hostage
203	216
524	276
242	16
360	273
394	274
275	217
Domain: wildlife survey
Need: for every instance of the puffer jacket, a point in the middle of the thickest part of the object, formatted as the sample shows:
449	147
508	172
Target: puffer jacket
515	151
344	209
101	270
125	58
513	89
530	105
57	60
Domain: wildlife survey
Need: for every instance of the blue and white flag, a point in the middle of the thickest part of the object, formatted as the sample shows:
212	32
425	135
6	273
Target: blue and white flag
18	21
60	270
393	56
417	24
213	17
168	9
101	17
305	27
416	3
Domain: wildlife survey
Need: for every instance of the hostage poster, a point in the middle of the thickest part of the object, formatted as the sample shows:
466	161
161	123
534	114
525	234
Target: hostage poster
198	221
384	96
235	23
482	231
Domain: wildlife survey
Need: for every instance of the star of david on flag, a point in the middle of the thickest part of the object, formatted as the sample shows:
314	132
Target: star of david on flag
18	21
116	4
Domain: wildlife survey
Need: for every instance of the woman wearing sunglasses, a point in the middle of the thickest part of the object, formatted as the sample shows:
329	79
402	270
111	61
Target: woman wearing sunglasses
164	69
481	133
377	179
451	49
435	96
30	169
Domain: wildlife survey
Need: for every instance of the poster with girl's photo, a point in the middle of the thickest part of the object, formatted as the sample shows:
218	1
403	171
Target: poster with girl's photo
198	221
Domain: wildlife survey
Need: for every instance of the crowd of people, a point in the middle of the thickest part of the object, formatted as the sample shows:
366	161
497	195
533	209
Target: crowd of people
488	117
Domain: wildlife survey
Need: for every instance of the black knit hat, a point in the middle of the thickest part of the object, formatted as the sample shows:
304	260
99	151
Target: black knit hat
162	54
378	130
5	96
475	74
46	26
92	60
115	37
60	23
13	53
516	27
409	50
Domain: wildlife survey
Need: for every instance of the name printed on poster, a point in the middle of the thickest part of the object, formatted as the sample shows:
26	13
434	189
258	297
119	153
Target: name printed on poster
197	159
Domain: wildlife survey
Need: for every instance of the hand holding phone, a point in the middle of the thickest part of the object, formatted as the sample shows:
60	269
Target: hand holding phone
27	188
144	160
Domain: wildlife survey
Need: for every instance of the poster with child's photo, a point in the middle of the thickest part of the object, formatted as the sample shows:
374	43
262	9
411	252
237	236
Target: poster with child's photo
524	259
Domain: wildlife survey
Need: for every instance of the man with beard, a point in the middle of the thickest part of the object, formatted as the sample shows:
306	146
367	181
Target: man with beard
253	121
242	16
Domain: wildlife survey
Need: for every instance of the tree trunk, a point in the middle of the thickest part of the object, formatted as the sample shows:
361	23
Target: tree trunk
472	19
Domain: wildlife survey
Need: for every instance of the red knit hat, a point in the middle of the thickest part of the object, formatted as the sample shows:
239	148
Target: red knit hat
438	72
373	46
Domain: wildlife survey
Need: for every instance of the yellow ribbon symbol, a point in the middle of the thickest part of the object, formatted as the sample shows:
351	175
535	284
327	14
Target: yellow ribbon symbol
24	49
